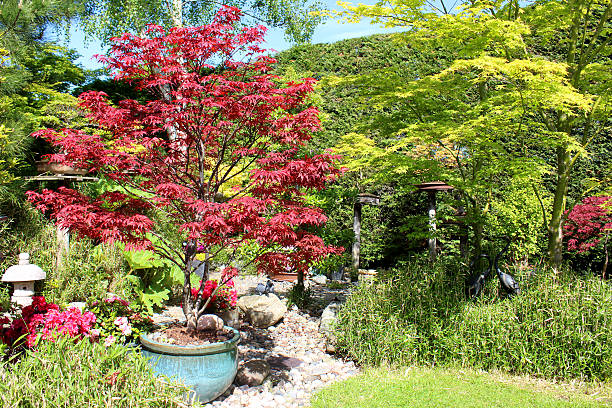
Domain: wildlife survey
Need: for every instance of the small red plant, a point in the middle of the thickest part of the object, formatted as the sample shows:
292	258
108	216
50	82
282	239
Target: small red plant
220	149
221	297
587	224
45	320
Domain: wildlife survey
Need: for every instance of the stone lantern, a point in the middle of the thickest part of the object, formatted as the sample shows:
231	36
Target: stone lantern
23	277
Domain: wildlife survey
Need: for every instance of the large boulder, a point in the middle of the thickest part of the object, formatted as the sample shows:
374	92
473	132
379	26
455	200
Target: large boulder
252	373
326	326
262	310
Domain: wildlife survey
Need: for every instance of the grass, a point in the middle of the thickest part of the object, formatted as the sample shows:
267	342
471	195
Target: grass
437	387
84	374
559	327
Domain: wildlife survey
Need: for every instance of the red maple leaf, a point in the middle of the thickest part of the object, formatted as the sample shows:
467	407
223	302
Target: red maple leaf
217	149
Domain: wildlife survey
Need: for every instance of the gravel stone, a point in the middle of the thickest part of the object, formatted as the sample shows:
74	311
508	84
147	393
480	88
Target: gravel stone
295	350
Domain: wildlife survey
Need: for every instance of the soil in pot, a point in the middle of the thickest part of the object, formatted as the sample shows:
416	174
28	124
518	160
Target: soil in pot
181	335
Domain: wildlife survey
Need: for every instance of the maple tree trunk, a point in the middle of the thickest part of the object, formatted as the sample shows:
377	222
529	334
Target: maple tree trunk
463	241
190	309
555	227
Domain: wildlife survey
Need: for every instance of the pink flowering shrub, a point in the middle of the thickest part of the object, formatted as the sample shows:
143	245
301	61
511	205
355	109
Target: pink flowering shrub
111	320
587	223
223	297
45	320
117	321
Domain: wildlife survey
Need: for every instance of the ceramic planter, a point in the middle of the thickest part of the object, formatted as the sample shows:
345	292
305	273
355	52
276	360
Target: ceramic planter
207	369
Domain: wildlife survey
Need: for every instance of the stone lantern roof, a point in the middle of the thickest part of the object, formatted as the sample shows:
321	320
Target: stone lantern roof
24	272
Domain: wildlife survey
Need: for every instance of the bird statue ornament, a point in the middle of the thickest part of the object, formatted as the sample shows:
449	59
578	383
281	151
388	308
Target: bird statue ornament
508	283
262	289
476	282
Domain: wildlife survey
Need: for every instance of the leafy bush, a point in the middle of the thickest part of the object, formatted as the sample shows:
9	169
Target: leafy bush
87	272
87	374
42	320
557	327
152	278
116	321
300	296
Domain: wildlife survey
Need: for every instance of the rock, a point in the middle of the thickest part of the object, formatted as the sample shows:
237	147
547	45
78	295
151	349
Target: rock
231	317
319	279
262	311
326	326
252	373
284	363
328	318
210	322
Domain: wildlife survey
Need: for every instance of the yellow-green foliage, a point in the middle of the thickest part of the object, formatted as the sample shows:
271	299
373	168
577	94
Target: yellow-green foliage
527	83
7	161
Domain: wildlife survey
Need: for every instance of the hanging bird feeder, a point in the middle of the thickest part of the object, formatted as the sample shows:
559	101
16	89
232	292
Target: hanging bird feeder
432	187
22	277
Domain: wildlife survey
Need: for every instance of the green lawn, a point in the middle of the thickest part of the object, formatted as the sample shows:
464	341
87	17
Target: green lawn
424	387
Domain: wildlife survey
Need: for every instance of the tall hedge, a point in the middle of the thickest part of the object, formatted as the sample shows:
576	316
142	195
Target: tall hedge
394	229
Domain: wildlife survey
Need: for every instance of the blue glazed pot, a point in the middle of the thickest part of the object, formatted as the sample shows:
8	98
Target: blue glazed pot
208	369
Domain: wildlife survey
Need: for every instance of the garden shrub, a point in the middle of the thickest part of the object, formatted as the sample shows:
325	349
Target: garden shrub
109	321
558	326
300	296
88	271
117	322
42	320
66	373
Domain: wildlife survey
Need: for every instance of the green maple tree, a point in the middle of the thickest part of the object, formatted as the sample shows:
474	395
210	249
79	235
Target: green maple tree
527	78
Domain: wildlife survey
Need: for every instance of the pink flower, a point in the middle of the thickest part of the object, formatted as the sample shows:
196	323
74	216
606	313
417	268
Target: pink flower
116	299
124	325
94	334
109	341
126	330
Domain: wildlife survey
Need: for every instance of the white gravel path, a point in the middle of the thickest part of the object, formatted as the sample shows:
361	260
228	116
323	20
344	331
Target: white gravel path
299	365
294	348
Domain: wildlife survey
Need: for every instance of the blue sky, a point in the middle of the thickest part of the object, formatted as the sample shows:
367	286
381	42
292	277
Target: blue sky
331	31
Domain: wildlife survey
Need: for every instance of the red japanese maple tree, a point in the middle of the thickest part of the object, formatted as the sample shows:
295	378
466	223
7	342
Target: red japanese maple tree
587	223
218	150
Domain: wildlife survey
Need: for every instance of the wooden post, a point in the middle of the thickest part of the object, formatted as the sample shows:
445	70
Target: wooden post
63	245
432	225
357	231
463	241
